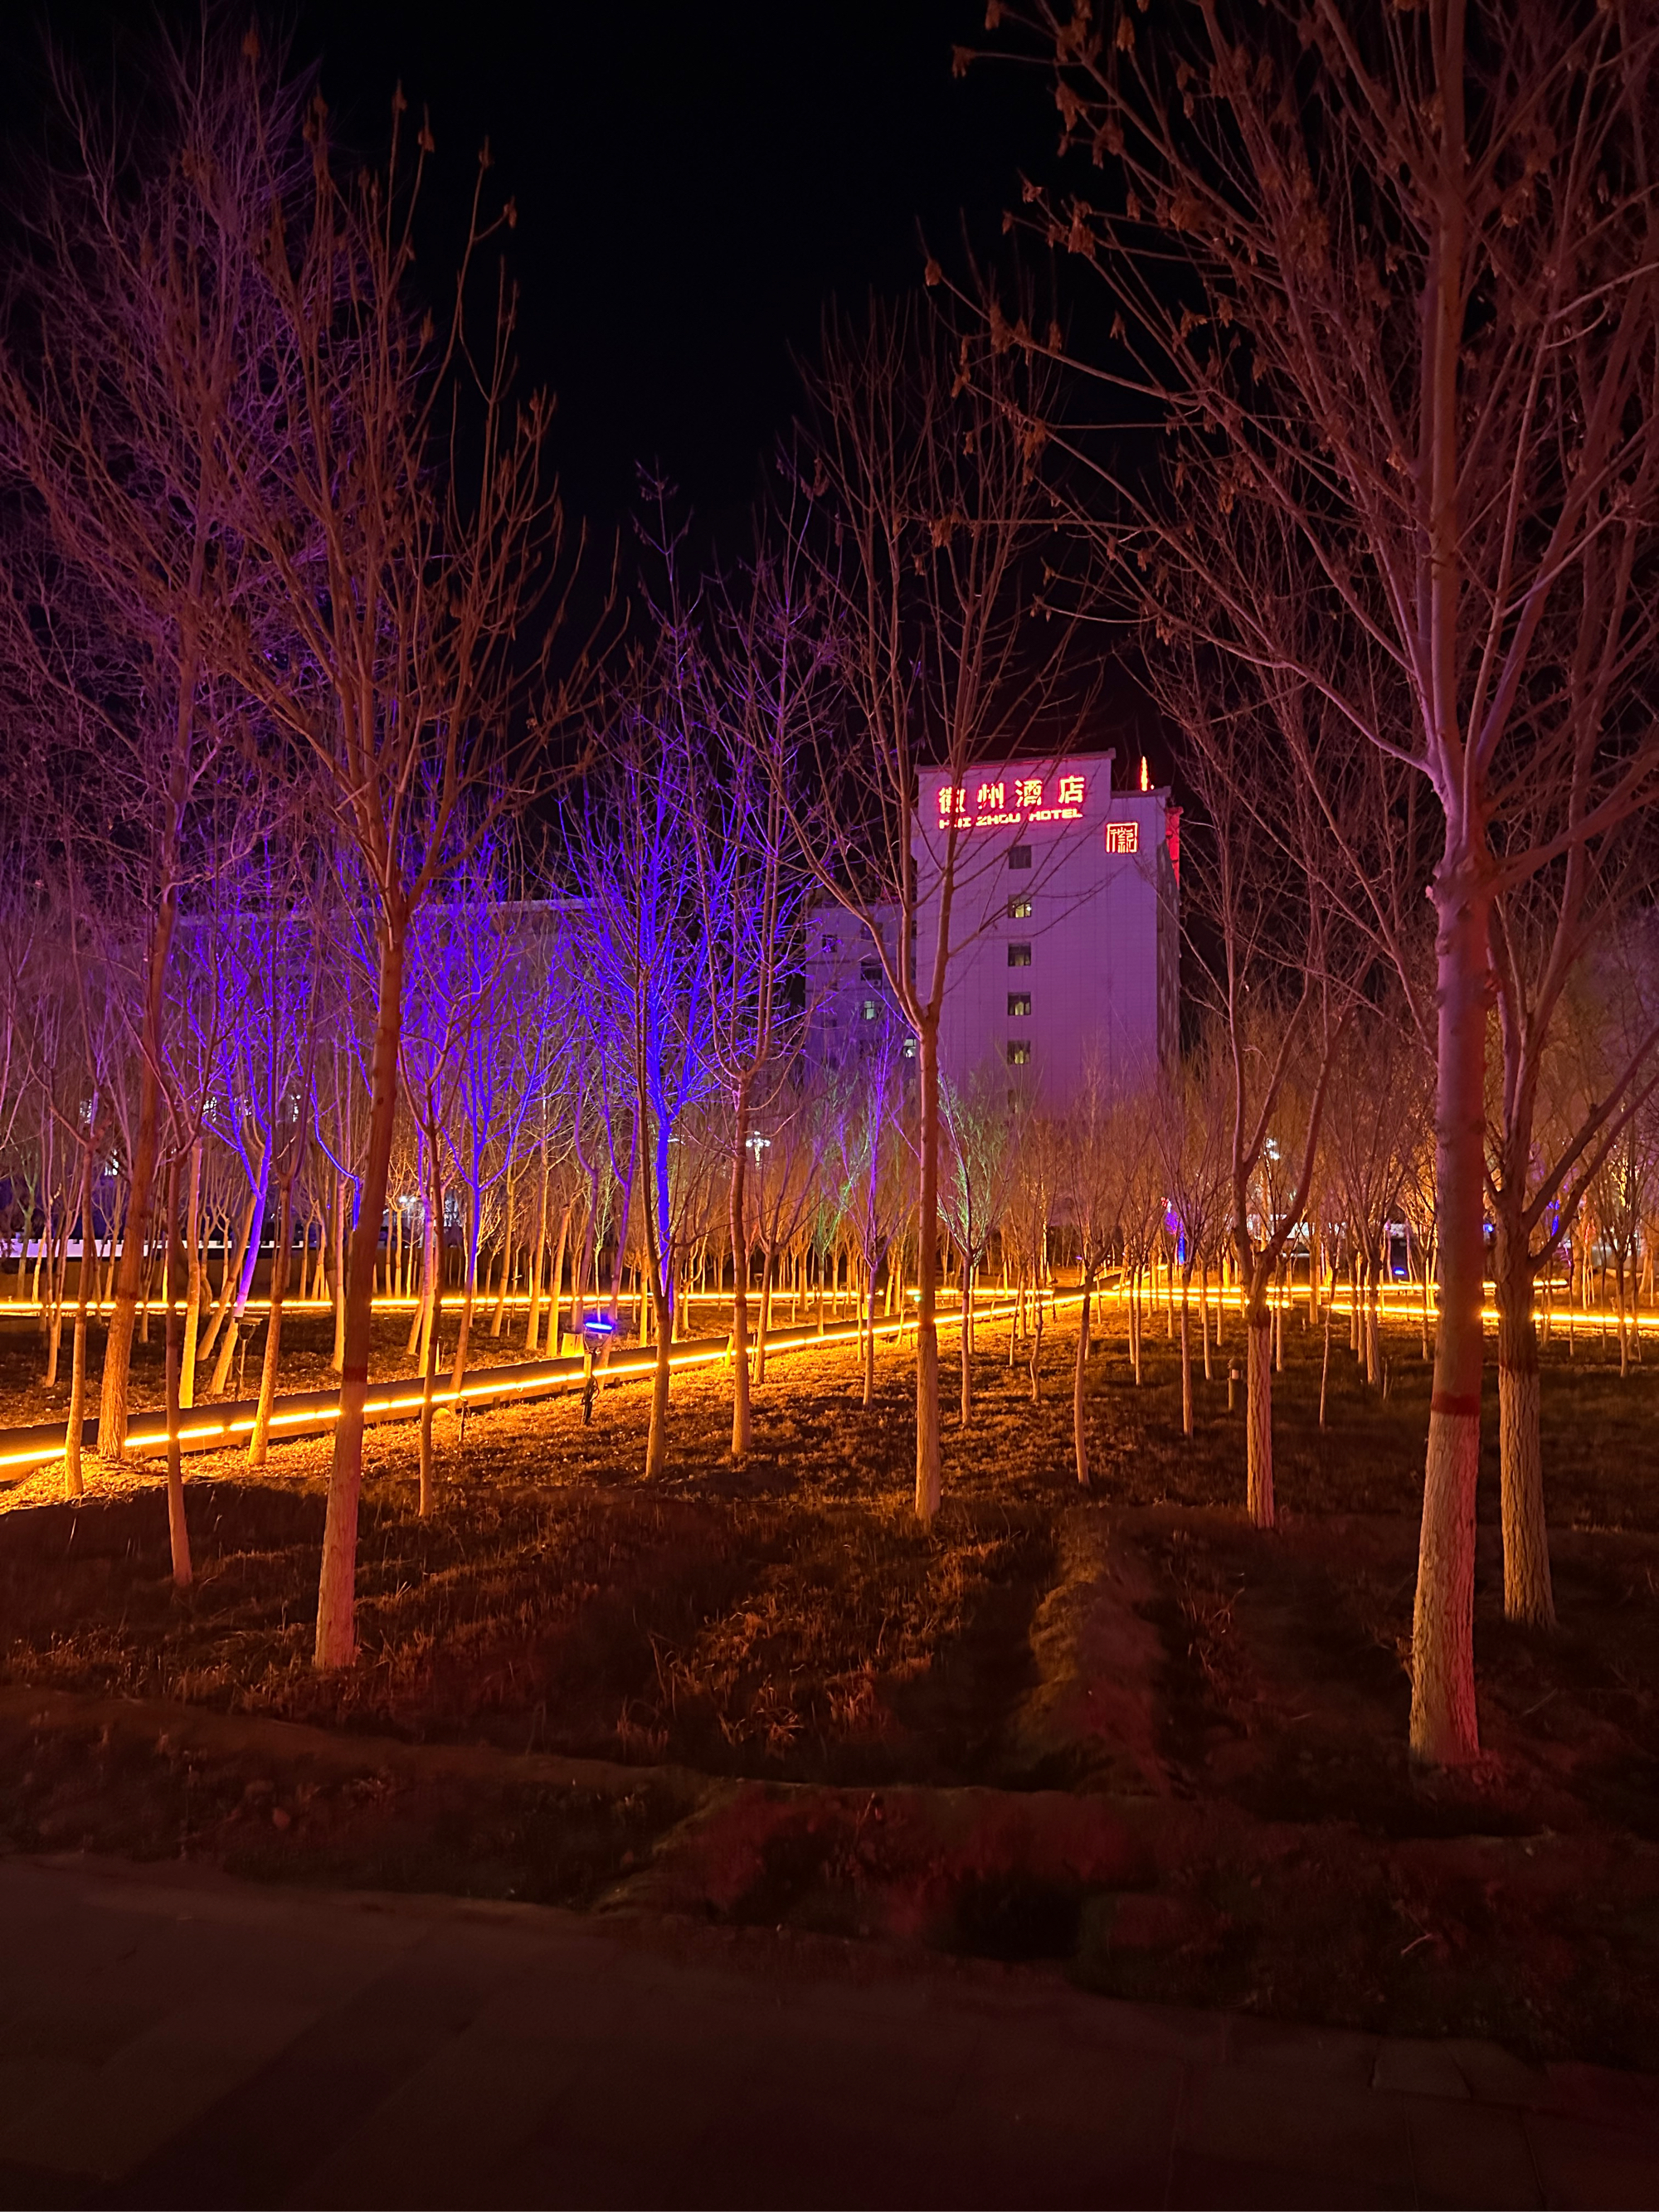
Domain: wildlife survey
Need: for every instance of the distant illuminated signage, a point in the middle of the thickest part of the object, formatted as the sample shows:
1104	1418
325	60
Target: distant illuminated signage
1123	837
1011	802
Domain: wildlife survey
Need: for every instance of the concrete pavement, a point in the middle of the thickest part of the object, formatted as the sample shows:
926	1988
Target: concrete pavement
169	2037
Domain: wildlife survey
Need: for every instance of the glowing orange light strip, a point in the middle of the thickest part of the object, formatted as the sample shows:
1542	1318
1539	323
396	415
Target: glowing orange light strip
632	1365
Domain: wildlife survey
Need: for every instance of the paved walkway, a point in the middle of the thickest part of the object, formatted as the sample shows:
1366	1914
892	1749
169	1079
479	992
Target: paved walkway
166	2039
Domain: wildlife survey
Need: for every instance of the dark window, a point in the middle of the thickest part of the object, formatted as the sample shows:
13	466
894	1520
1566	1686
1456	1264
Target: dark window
1019	956
1019	856
1019	1002
870	971
1019	909
830	943
1019	1053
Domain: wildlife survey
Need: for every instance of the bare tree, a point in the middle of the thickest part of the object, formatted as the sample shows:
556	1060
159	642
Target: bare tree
394	502
758	668
981	1119
1190	1126
933	519
1103	1143
1389	276
118	379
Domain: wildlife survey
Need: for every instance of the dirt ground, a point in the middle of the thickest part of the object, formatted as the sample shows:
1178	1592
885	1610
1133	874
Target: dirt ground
1122	1731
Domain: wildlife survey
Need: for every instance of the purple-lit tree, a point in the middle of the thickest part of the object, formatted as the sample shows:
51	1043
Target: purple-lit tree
647	973
392	498
450	969
487	965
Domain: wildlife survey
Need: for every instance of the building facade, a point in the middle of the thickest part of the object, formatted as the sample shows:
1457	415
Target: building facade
1064	925
1064	933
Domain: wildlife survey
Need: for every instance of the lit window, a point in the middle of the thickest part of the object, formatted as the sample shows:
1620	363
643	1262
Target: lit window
1019	1053
1019	909
1020	1003
871	1009
909	1047
1019	956
1019	856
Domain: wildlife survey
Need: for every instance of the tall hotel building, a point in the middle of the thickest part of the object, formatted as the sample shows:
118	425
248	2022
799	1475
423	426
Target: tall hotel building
1064	930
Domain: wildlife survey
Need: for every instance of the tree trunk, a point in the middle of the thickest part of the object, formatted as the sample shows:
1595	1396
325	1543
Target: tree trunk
532	1320
178	1527
1259	1411
129	1269
429	1358
867	1315
555	1323
1186	1358
1527	1594
468	1301
229	1276
500	1314
336	1635
420	1321
966	1347
245	1274
337	1358
928	1430
78	1405
259	1442
1079	1422
660	1261
769	1267
193	1261
1444	1728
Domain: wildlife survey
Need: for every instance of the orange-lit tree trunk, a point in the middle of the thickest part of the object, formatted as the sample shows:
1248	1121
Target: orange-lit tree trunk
742	1413
928	1464
336	1635
1442	1720
178	1527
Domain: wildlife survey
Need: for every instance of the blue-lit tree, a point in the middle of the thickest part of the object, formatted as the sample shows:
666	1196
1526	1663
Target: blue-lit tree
647	975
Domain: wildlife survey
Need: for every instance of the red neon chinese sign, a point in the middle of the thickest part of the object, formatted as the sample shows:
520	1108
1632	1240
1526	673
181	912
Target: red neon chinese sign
1123	837
1011	802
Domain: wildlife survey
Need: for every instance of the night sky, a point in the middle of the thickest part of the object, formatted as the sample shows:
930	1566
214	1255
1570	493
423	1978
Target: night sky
692	181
